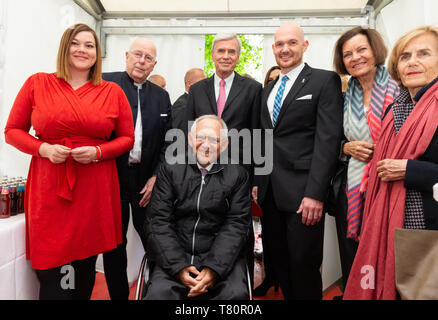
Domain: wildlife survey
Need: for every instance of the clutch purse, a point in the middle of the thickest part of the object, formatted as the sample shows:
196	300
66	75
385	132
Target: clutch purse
416	264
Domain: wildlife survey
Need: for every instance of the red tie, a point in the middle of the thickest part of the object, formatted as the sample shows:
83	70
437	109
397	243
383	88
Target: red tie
221	99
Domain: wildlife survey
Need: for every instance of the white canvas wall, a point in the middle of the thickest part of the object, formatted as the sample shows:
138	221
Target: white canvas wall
401	16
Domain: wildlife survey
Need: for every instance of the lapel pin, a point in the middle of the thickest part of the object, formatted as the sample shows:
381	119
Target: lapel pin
304	80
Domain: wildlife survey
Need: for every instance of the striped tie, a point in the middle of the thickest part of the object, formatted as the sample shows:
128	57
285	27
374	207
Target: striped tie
278	98
221	99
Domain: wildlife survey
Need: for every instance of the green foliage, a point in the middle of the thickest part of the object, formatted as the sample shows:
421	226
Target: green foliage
250	56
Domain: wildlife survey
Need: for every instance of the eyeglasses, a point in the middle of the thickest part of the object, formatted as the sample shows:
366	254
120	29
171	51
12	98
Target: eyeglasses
212	140
147	58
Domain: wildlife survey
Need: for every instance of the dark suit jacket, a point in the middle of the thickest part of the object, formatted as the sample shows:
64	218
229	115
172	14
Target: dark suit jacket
421	175
242	107
306	139
155	117
179	112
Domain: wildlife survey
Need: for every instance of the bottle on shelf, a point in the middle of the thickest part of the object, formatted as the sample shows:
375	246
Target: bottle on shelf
13	197
5	203
20	197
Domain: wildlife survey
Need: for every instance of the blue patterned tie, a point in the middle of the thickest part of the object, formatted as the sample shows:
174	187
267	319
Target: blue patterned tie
278	98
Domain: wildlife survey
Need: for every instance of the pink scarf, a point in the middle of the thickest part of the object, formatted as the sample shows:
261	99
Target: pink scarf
372	276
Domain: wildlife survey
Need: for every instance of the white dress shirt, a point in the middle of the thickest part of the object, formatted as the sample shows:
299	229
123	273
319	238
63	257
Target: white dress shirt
208	168
228	84
293	75
135	153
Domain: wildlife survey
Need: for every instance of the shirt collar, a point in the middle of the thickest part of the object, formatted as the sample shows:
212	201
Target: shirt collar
423	90
208	168
217	79
293	74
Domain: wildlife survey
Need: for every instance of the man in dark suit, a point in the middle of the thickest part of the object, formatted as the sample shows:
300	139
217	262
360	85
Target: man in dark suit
304	110
233	98
151	109
179	107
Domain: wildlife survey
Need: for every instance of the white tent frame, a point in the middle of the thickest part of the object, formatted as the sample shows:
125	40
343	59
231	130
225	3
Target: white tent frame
141	23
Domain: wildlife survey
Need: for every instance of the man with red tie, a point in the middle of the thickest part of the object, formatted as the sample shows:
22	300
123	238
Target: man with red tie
228	95
233	98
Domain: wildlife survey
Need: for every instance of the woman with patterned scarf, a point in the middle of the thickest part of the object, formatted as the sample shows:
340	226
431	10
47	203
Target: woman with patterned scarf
361	54
404	166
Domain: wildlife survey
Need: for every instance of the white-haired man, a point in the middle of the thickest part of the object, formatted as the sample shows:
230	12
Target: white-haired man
198	221
151	111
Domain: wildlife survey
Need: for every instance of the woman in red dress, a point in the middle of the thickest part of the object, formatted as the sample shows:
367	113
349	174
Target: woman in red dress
72	201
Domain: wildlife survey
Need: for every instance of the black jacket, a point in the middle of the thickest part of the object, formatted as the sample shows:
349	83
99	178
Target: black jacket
179	113
205	226
155	119
306	139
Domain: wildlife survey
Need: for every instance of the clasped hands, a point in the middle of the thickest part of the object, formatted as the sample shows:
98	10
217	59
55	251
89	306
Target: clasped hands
200	282
57	153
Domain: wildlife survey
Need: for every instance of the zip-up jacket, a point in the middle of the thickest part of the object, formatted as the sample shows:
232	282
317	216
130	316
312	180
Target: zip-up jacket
196	220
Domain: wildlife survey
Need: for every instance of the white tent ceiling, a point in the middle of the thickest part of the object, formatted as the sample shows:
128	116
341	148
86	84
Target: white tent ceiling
231	6
124	8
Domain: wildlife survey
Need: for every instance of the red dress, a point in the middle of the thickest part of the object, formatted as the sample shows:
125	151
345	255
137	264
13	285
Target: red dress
72	210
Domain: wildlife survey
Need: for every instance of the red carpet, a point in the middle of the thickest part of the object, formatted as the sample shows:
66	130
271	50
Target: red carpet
100	291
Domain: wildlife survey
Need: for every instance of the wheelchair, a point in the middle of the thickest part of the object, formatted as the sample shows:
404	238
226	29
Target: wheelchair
146	269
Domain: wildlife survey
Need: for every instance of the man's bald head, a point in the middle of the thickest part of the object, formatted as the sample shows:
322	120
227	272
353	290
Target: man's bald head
141	59
289	46
142	44
158	80
290	28
192	76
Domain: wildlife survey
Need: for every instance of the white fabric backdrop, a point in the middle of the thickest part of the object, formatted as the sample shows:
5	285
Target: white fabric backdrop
401	16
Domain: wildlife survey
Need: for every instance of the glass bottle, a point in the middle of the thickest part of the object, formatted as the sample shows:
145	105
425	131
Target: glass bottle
20	198
13	197
5	203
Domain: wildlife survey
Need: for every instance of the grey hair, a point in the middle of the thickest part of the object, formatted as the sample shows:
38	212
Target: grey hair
224	128
226	36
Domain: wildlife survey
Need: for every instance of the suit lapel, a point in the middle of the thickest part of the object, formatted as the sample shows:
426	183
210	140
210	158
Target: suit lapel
234	91
300	82
266	118
145	101
209	84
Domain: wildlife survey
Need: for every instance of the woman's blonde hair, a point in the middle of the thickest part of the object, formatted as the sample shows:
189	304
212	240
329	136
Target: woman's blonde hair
62	66
401	44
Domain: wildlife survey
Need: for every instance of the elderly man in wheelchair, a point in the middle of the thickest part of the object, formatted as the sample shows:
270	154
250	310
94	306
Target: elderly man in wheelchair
198	221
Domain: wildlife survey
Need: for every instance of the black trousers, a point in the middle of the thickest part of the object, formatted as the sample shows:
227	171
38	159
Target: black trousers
74	281
296	251
347	247
115	262
162	286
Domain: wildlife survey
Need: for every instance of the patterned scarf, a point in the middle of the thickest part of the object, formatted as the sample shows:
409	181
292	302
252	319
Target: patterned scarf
414	211
363	123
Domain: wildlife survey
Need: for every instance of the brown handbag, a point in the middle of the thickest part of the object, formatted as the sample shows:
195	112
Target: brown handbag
416	264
